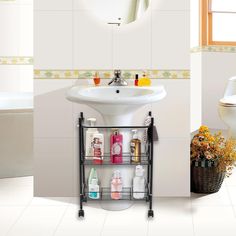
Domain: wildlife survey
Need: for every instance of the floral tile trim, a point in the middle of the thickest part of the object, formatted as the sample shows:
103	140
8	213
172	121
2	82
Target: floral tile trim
230	49
107	74
16	60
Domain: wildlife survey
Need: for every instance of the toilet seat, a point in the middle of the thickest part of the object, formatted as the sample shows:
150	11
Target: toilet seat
229	101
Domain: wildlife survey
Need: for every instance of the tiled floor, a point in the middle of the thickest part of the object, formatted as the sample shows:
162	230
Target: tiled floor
23	215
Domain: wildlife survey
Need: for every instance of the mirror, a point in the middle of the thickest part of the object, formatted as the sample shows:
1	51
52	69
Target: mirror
118	12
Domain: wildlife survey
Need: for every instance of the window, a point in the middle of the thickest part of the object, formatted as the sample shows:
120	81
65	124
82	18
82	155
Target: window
218	22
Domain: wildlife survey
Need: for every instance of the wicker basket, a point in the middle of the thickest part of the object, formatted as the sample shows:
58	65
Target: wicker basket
205	178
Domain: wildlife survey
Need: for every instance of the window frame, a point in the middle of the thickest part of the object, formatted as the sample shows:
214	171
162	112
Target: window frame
206	26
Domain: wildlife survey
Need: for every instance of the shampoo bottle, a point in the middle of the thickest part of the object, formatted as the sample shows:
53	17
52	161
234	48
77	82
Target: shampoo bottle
135	148
98	148
116	140
116	185
89	139
139	183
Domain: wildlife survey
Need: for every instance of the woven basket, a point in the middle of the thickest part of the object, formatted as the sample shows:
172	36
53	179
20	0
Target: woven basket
205	178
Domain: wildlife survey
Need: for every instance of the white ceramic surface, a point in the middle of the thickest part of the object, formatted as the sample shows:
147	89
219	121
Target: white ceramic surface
227	107
116	101
16	102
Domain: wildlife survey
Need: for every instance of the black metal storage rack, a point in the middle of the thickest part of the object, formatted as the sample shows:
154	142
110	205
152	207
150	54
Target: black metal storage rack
105	192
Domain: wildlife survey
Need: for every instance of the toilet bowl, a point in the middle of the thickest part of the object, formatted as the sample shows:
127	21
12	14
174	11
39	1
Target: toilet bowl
227	107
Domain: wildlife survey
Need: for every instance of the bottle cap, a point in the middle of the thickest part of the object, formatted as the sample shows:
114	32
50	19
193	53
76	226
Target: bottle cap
91	121
135	135
116	174
139	171
115	131
136	76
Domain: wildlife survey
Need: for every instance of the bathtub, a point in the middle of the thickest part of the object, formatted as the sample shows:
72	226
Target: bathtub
16	134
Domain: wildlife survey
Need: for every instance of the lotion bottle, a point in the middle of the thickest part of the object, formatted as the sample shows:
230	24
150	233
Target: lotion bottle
98	148
116	142
89	139
139	183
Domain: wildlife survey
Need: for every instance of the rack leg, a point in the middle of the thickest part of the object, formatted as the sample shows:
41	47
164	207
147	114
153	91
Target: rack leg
81	177
150	211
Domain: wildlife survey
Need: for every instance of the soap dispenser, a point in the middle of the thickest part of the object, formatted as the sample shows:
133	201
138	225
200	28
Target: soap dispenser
89	150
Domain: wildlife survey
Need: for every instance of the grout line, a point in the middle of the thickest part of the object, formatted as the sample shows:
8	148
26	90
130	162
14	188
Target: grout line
193	226
105	218
230	199
21	214
60	220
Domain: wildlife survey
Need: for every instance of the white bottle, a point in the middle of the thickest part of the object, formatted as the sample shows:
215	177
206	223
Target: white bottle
98	147
139	183
89	139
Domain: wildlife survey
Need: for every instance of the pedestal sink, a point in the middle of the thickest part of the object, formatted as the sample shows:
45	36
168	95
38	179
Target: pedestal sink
117	105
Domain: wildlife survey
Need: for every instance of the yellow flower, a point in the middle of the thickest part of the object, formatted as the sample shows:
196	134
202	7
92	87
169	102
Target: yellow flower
204	129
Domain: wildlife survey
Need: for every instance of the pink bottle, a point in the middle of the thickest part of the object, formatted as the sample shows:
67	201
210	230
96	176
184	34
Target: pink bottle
116	185
116	141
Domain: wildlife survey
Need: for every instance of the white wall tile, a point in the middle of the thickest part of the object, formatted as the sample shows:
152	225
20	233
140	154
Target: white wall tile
196	91
56	179
26	30
53	113
132	44
217	68
92	42
171	5
81	4
170	40
26	78
9	78
171	167
10	30
53	5
173	112
53	40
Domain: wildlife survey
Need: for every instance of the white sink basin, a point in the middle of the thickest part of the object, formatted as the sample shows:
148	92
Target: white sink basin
116	100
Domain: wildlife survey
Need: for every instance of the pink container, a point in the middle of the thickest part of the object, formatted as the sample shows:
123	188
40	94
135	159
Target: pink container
116	142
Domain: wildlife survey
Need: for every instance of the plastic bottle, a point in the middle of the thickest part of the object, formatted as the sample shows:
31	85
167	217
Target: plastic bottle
116	142
139	183
98	148
89	139
93	185
116	185
135	148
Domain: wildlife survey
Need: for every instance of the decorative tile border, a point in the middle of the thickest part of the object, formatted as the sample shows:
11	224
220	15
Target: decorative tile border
230	49
16	60
107	74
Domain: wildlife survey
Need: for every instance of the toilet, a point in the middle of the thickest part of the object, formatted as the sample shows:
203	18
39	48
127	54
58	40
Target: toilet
227	107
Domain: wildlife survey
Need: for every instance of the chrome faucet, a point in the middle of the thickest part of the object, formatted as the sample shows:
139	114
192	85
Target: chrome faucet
117	80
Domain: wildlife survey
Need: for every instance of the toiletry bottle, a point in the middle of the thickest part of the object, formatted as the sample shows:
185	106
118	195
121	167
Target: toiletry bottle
93	186
89	139
135	148
96	79
116	140
116	185
98	148
136	80
144	81
139	183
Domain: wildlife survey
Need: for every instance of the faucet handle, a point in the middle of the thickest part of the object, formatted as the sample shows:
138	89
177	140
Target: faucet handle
117	73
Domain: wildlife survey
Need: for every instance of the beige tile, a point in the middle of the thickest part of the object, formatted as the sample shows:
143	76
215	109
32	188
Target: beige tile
180	5
53	173
53	5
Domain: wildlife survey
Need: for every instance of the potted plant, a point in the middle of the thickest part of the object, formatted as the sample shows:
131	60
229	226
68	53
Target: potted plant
212	158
